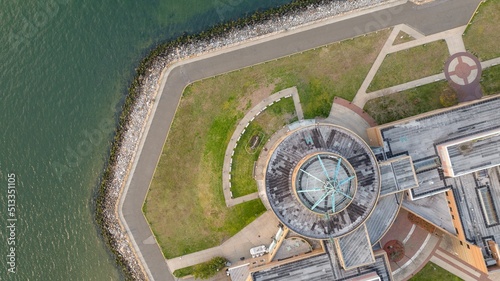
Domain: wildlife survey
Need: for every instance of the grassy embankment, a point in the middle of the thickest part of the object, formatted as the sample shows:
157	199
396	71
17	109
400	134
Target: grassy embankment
481	39
410	64
185	205
262	127
407	103
482	36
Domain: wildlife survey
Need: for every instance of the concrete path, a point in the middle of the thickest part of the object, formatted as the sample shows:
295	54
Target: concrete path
257	233
240	129
453	38
428	19
456	266
345	117
363	99
419	246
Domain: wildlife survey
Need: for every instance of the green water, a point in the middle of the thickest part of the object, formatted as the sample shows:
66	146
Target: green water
65	67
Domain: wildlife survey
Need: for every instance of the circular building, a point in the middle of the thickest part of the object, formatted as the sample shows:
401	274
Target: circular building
322	181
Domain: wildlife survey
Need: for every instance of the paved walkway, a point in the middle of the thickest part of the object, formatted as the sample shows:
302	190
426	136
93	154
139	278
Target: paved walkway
257	233
419	246
453	38
344	116
240	129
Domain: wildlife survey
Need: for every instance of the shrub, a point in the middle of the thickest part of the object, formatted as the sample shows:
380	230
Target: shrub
448	97
209	269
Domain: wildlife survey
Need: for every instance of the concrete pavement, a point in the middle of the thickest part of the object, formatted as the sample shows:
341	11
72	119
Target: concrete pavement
427	19
257	233
453	38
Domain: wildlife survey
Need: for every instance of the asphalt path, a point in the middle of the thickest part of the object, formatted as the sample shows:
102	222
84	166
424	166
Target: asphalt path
434	17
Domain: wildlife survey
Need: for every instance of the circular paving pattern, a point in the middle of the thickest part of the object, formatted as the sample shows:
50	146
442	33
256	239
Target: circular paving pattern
463	69
395	250
325	182
322	181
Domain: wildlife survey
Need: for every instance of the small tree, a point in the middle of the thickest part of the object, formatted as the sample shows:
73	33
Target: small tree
448	97
209	269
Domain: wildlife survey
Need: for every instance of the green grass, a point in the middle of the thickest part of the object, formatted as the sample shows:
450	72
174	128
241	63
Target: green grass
407	103
490	80
182	272
410	64
431	272
264	125
483	35
185	204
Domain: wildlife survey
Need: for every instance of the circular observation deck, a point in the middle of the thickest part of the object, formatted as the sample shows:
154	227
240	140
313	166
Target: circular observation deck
322	181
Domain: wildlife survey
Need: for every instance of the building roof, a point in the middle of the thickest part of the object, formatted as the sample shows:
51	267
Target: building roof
281	183
317	268
355	249
434	209
417	136
383	216
471	153
380	266
478	201
397	175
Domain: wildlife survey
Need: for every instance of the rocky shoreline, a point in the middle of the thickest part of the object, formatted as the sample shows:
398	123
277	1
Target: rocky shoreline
144	88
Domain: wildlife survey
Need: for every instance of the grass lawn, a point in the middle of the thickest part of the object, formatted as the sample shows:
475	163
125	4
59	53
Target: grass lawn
407	103
402	37
185	205
482	37
490	80
431	271
263	126
410	64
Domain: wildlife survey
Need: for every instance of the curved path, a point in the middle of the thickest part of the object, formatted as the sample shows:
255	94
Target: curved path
235	138
430	18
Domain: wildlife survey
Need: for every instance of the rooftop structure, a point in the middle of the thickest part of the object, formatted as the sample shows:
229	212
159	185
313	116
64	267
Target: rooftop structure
322	267
458	151
318	171
469	154
322	181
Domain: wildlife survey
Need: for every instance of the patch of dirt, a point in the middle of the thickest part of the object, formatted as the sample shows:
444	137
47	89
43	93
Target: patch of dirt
402	37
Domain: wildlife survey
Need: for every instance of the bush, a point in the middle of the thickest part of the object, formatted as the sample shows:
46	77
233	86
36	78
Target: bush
448	97
209	269
181	272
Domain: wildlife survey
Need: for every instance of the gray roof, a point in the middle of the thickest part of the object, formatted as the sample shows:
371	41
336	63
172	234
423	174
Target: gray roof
380	266
434	209
355	248
430	182
301	143
478	201
317	268
474	152
417	137
323	267
383	216
397	175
